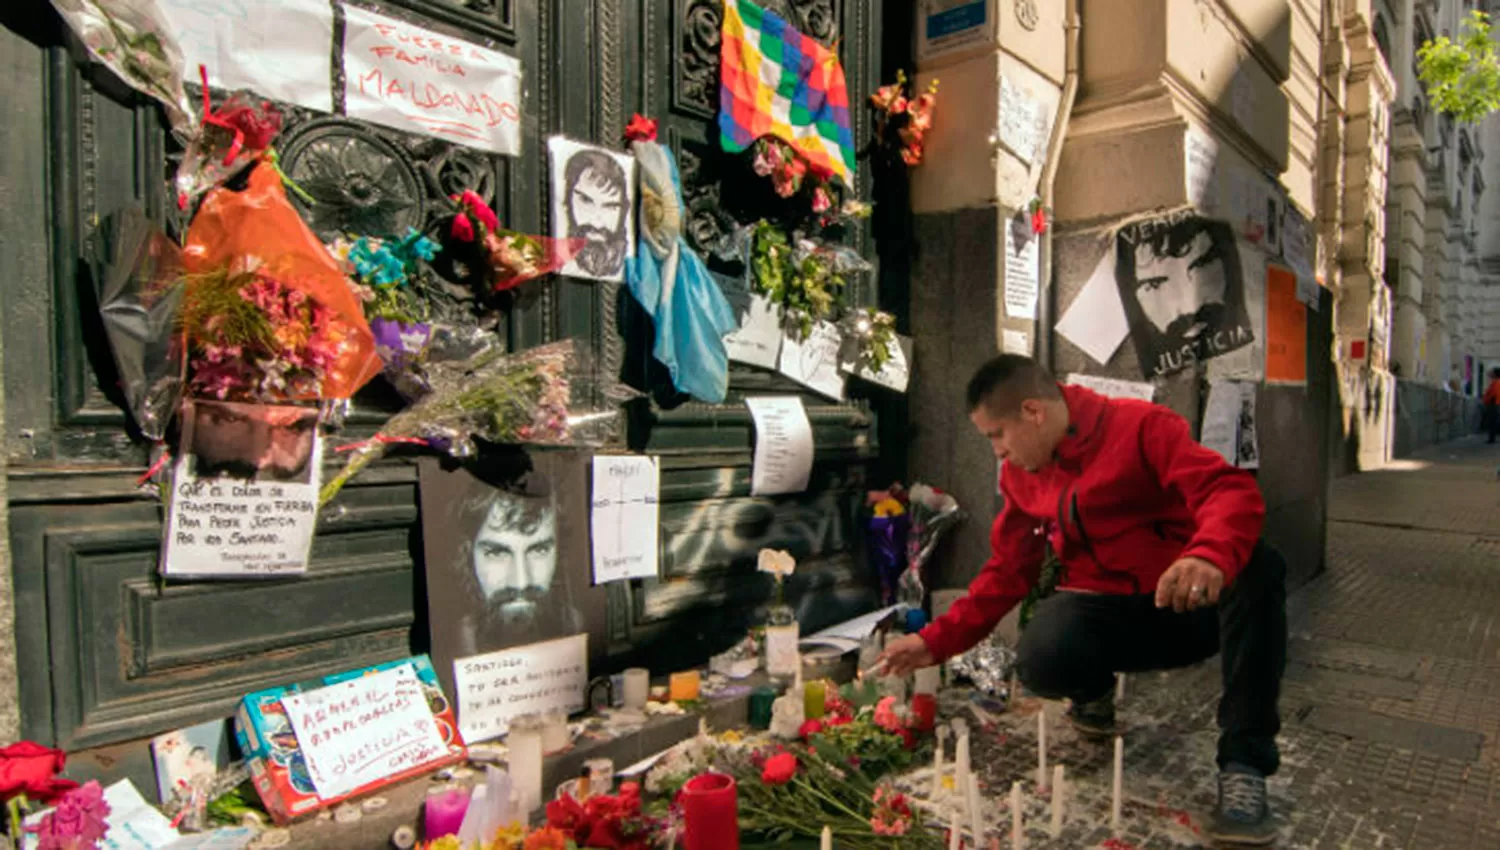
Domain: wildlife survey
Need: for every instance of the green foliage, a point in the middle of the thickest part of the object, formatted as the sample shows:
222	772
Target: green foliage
1463	76
808	289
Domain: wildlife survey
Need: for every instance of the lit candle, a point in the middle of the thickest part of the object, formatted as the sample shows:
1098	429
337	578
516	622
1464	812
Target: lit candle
1114	811
710	812
813	696
976	813
637	687
524	740
444	812
1057	800
827	842
1015	816
684	686
952	829
555	735
1041	749
937	762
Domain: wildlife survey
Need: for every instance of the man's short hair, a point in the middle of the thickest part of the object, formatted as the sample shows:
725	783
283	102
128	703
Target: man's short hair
1005	381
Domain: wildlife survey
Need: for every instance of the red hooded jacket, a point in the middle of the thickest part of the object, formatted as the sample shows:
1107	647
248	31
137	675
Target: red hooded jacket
1129	492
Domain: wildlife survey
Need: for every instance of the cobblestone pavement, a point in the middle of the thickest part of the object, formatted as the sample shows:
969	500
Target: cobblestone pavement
1391	703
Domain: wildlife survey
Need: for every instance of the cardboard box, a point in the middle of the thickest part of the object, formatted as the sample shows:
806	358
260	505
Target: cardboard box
267	739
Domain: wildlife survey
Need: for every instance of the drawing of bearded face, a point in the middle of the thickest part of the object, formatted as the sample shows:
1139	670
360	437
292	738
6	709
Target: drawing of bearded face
597	203
515	556
1179	292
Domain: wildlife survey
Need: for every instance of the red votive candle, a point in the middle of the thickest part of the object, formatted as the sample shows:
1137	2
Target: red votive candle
710	811
924	711
445	812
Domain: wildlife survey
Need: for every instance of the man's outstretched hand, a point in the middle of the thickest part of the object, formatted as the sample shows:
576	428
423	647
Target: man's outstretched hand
1189	583
906	654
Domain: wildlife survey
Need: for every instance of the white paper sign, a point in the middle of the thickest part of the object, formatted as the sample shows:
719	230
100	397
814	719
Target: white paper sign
783	445
895	372
413	79
280	49
1024	120
1294	249
1095	322
219	525
593	199
814	362
1021	269
364	730
1201	169
758	341
624	521
1115	387
497	687
1015	342
1229	423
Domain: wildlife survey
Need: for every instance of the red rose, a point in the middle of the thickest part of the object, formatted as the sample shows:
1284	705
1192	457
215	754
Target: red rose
462	229
28	768
480	209
809	729
640	129
779	769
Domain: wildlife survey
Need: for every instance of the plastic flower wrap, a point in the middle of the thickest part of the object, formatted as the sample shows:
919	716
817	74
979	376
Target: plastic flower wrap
510	258
885	536
139	306
229	138
933	512
268	315
132	39
540	396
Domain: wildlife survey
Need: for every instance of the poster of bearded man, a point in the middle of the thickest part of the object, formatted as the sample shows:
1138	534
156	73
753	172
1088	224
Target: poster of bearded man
593	199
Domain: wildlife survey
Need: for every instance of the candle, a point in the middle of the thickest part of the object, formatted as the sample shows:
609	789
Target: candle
524	741
710	813
684	686
555	734
928	680
937	762
813	696
961	756
976	814
1041	749
827	842
1119	686
923	711
444	812
637	687
952	829
1114	811
761	700
1057	800
1015	816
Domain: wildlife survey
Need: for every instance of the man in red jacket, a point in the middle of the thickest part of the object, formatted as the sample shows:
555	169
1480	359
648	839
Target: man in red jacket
1161	567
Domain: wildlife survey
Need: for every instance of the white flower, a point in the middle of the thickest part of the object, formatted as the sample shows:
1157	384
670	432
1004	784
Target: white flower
777	562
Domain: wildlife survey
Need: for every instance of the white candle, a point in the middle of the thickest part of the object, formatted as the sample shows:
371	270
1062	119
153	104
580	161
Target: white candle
1114	812
1119	686
1015	816
976	814
1041	749
524	740
952	829
827	843
961	759
937	762
637	687
1057	800
555	735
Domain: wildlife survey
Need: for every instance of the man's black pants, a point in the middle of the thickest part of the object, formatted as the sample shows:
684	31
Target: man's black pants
1076	642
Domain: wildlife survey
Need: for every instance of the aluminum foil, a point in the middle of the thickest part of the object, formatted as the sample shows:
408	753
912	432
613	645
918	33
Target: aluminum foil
988	665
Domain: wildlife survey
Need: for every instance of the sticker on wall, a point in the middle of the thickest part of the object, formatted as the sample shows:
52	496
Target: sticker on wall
593	194
413	79
280	49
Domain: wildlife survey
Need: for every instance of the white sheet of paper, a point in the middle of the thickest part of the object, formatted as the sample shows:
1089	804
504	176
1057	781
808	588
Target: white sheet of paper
1095	321
133	824
1294	249
363	730
593	197
1015	342
894	374
1022	120
783	445
233	528
1115	387
496	687
758	340
281	49
1022	269
402	76
224	838
814	362
1201	169
624	522
1221	416
856	629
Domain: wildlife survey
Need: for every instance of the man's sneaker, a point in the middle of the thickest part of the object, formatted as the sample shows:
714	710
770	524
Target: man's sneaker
1094	719
1243	816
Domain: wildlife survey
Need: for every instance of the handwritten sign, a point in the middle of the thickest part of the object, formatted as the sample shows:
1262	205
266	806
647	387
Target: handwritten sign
895	372
364	730
624	519
1022	269
497	687
758	340
814	362
414	79
783	445
1024	120
230	527
280	49
1115	387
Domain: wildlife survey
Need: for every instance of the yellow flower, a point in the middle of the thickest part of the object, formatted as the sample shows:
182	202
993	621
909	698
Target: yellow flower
509	837
889	507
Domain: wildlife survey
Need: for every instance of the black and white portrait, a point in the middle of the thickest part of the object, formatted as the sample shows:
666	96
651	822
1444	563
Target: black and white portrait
1183	290
507	557
260	442
1247	445
593	200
